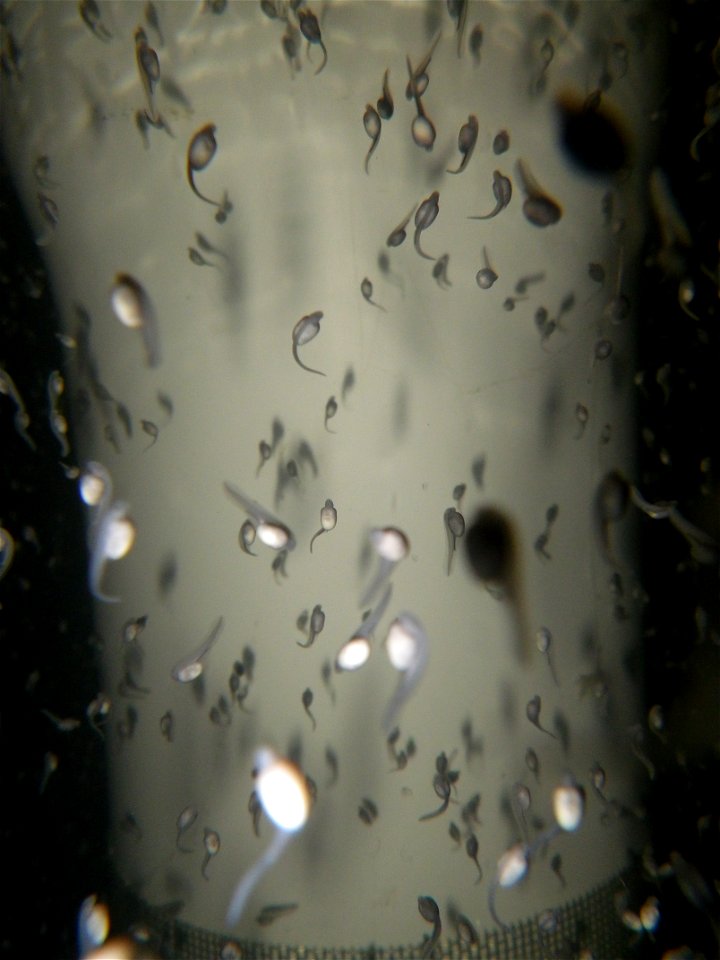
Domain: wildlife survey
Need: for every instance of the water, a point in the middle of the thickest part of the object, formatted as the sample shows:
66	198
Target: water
444	376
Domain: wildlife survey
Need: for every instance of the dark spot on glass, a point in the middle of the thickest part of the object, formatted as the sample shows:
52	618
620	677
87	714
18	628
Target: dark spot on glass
591	136
489	545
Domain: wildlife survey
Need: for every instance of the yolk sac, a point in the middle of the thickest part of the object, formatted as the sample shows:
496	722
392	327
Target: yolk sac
532	711
185	820
93	925
455	528
486	276
328	521
399	234
502	191
568	805
201	150
191	666
467	138
512	866
269	529
112	533
424	217
133	308
246	537
392	546
408	650
539	208
373	127
422	128
211	842
568	808
310	29
354	652
305	330
283	795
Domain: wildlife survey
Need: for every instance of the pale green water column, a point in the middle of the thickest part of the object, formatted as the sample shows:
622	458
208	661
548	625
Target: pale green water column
445	373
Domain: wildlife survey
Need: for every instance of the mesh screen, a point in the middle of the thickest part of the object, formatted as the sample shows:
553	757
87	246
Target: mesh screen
588	926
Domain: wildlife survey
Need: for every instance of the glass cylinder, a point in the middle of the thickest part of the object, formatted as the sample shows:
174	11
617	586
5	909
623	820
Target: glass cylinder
327	272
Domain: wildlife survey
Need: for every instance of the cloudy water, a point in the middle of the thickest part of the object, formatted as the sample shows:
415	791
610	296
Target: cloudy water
348	327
